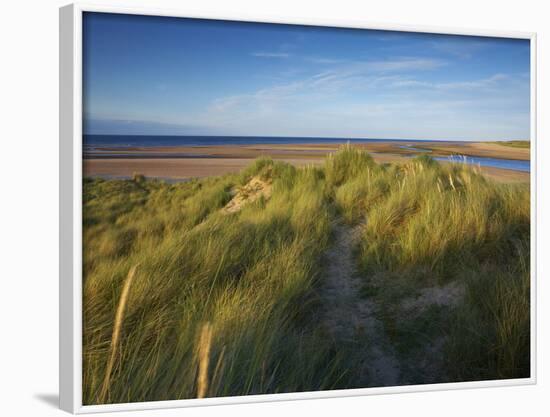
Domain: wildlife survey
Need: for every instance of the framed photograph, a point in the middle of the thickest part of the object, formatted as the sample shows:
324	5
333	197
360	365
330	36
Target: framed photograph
263	209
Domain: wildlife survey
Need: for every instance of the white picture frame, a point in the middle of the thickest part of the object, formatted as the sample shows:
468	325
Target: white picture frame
70	153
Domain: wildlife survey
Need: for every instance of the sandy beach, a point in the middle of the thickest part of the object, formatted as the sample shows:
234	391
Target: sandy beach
184	162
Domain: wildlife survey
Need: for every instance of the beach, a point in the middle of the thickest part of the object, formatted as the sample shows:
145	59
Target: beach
185	162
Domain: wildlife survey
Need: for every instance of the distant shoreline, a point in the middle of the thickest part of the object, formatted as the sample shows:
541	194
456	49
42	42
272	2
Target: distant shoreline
305	150
185	162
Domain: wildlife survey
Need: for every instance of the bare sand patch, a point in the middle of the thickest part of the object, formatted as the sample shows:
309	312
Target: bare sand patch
252	191
449	295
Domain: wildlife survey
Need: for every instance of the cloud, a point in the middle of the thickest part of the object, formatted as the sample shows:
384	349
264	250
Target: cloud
367	74
103	126
271	54
256	100
459	47
405	64
482	83
375	98
342	79
397	116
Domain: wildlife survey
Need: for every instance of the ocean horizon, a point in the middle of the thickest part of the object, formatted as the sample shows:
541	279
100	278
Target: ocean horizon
91	141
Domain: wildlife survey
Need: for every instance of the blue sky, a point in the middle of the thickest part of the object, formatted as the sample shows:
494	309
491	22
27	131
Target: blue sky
168	76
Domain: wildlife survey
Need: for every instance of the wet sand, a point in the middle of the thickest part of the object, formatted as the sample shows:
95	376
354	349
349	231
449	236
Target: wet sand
185	162
303	151
175	168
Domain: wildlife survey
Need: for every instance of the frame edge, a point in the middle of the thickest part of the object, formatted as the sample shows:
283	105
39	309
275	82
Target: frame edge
534	205
66	215
70	106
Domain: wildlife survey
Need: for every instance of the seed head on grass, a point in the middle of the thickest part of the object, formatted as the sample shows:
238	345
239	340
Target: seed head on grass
138	178
119	317
205	344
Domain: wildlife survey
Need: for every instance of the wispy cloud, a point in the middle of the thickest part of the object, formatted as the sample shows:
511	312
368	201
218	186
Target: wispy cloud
351	77
482	83
271	54
325	61
366	74
458	47
390	102
405	64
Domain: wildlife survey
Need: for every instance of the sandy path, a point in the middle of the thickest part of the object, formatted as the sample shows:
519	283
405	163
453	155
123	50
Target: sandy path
350	319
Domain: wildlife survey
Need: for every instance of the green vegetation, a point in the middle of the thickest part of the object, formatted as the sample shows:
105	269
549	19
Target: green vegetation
227	304
427	225
516	143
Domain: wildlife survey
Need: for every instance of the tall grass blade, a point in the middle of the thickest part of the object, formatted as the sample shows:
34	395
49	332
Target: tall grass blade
119	317
205	344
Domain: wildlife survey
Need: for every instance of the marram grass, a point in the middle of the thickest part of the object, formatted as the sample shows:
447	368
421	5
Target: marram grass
225	305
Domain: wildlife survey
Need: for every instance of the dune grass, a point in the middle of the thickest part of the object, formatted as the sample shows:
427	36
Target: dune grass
427	225
226	304
248	275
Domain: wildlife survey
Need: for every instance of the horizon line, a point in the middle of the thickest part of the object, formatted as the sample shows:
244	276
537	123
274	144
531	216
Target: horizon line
308	137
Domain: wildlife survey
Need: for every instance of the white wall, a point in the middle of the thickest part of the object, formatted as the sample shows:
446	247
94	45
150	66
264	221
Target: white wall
29	195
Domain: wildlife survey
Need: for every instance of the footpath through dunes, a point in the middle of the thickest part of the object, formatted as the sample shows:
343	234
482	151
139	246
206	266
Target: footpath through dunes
351	320
383	344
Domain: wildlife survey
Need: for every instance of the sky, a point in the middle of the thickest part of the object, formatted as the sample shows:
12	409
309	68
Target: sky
173	76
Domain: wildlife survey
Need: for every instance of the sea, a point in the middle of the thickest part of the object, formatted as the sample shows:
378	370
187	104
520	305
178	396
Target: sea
122	141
